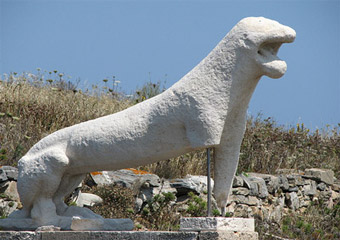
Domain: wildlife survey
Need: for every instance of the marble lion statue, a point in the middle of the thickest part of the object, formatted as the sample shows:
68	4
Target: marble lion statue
206	108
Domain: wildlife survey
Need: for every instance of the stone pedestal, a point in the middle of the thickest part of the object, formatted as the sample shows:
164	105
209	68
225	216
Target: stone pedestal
221	228
119	235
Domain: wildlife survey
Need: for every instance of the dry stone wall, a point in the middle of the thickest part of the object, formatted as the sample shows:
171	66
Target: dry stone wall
269	197
264	196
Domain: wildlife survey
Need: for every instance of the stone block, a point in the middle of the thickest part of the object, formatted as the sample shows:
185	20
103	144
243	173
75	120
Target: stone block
116	235
287	171
23	235
241	191
3	176
256	185
238	181
68	223
283	181
86	224
248	200
196	184
310	190
295	180
11	172
320	175
100	235
88	199
125	177
217	224
272	182
228	235
292	200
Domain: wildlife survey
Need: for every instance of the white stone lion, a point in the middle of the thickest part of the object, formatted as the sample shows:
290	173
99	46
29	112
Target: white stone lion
206	108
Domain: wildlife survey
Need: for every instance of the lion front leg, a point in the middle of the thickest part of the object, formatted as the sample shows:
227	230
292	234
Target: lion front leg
226	162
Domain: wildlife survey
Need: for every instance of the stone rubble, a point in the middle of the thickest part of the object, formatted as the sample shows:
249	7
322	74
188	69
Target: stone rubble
264	196
9	198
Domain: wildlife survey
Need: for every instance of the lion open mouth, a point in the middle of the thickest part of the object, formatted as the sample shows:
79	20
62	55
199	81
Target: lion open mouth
272	65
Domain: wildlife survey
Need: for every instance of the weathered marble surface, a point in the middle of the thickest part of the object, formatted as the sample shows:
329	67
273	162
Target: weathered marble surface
206	108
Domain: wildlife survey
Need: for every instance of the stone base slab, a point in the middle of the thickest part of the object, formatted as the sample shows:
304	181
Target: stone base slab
227	235
129	235
217	224
76	224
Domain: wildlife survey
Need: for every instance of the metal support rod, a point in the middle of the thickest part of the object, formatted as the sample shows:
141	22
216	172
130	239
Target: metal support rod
209	182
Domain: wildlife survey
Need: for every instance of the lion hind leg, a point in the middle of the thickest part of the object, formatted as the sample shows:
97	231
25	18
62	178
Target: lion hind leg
39	179
67	185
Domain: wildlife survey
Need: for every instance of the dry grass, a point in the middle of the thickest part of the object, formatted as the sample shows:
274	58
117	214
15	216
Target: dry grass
31	109
267	147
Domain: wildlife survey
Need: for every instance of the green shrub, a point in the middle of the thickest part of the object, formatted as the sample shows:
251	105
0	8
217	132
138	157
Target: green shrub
118	202
316	222
160	213
197	207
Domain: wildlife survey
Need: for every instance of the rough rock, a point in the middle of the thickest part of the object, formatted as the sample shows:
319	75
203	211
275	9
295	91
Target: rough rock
310	189
138	204
283	181
256	185
272	182
248	200
10	172
147	192
320	175
7	207
243	211
295	180
88	199
238	181
322	186
275	214
12	191
336	187
3	186
196	184
240	191
3	176
287	171
335	195
292	200
126	178
49	228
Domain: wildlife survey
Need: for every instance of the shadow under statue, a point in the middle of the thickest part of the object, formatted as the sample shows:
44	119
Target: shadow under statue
206	108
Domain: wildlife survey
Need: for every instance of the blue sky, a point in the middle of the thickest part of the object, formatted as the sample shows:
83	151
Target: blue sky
138	41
